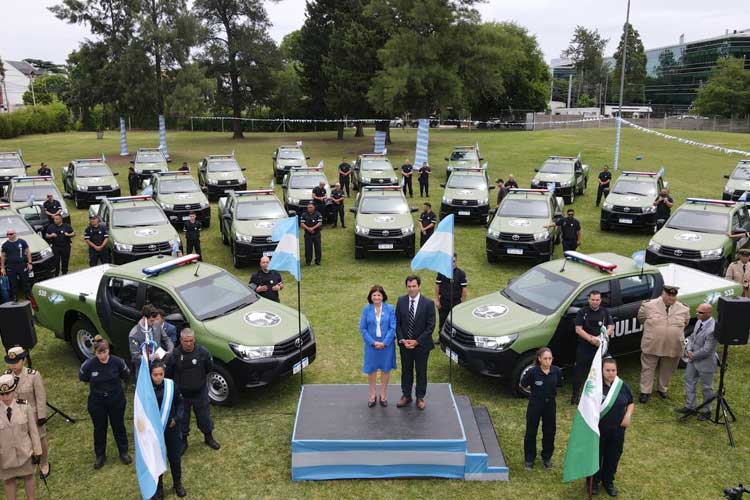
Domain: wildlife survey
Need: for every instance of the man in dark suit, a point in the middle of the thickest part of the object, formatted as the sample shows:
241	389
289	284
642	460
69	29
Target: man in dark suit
415	322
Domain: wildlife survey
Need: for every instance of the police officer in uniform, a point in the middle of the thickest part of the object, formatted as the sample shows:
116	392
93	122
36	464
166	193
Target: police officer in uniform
407	171
501	191
132	181
96	237
542	380
20	447
424	179
512	183
319	198
184	167
189	367
345	173
450	292
589	321
605	177
337	207
570	230
663	204
105	373
266	282
427	223
739	270
193	228
311	222
59	234
15	262
30	387
172	433
51	206
44	170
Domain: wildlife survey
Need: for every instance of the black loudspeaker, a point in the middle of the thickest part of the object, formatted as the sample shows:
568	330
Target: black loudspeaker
733	326
17	325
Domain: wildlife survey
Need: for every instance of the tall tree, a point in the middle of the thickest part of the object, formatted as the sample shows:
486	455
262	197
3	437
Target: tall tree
288	95
47	89
727	91
314	44
635	67
239	52
586	52
46	66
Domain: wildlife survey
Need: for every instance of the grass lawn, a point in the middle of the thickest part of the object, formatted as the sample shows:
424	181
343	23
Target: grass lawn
663	457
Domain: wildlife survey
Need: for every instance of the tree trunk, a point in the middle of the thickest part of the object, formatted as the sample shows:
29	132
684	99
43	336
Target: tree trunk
360	131
388	133
236	105
340	131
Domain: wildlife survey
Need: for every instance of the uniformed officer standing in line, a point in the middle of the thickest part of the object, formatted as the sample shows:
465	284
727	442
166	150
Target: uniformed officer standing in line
407	171
267	282
424	179
542	379
589	321
337	207
193	228
345	172
30	387
20	446
570	230
427	222
44	170
501	191
605	177
184	167
663	204
132	181
15	262
320	194
450	292
739	270
311	222
189	367
511	184
51	206
96	237
59	235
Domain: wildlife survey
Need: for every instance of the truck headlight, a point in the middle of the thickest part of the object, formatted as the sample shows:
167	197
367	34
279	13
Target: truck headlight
712	254
123	247
46	252
243	238
447	200
649	210
65	212
114	186
361	230
81	187
497	343
166	206
484	201
534	183
213	182
607	206
654	246
493	234
251	353
366	180
292	201
728	190
544	235
393	179
407	230
564	184
204	204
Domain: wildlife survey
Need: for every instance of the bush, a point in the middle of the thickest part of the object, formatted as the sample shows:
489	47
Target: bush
43	119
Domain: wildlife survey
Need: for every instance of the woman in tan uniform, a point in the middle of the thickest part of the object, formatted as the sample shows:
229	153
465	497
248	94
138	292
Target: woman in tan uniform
20	448
30	387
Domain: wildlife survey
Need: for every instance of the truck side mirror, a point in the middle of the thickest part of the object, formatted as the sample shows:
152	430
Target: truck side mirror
442	185
572	311
353	210
726	176
447	159
115	173
307	157
536	170
414	210
491	187
291	213
132	161
243	169
175	318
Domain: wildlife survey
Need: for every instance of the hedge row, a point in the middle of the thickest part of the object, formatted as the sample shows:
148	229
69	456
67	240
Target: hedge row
41	119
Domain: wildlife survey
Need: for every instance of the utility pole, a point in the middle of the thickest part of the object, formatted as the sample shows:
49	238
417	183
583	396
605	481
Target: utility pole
570	87
33	96
622	86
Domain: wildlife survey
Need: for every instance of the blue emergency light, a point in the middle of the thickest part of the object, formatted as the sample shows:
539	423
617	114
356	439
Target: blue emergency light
170	264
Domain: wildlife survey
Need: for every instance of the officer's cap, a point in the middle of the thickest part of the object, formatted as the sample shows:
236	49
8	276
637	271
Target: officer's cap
15	354
671	289
7	383
743	251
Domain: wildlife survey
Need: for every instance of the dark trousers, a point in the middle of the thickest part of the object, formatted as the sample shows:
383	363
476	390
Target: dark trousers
600	192
660	223
424	237
444	311
202	408
312	241
18	279
424	187
546	411
344	181
173	441
133	188
585	353
569	245
414	360
611	442
321	207
338	212
193	246
61	258
101	256
112	408
408	184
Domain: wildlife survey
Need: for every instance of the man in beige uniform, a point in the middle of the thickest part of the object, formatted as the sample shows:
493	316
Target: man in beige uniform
30	387
664	321
739	271
19	440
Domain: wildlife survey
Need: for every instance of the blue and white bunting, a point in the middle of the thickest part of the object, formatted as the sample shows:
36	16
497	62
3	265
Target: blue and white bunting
123	138
286	255
639	258
162	135
379	141
150	451
661	172
423	136
437	253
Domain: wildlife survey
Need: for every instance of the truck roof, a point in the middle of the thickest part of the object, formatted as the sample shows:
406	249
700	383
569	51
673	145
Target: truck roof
130	201
171	277
581	272
709	205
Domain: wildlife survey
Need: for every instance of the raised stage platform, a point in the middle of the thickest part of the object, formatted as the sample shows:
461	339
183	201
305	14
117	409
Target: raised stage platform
336	436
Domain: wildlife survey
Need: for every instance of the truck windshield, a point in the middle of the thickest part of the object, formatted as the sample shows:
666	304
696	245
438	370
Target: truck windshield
634	187
466	182
700	221
215	295
384	205
305	181
376	165
290	154
149	158
540	290
556	167
261	209
223	166
39	192
138	216
92	171
15	223
464	156
10	163
741	173
183	185
524	208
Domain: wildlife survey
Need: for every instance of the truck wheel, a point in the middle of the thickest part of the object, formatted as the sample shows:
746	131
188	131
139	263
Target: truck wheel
524	364
224	238
82	335
572	198
410	252
604	226
491	258
77	201
236	262
359	253
222	390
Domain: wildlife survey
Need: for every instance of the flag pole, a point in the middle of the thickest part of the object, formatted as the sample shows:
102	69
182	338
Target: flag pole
450	335
299	327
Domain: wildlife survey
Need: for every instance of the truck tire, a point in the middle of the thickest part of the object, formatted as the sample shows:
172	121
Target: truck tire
604	226
410	252
222	391
569	200
359	253
524	364
236	262
82	335
77	201
491	258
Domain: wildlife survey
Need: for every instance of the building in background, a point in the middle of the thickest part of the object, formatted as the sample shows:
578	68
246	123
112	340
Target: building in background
18	79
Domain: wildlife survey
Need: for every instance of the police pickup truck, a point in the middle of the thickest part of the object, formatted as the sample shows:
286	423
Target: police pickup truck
11	165
382	221
461	157
630	202
178	194
286	157
738	183
373	169
218	174
28	191
41	253
466	195
148	161
498	334
568	175
298	185
254	341
89	180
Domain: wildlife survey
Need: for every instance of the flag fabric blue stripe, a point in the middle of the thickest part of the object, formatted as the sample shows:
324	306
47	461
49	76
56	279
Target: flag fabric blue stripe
437	253
379	141
162	135
150	450
286	255
123	138
423	136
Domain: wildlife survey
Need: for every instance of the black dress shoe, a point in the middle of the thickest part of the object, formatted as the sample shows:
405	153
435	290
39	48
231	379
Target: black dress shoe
594	487
547	464
125	458
610	489
685	410
99	462
643	398
179	490
383	402
211	442
705	415
371	403
528	465
662	395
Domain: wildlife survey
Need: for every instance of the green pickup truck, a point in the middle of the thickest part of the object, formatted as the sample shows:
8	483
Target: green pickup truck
568	175
738	183
11	165
254	341
497	334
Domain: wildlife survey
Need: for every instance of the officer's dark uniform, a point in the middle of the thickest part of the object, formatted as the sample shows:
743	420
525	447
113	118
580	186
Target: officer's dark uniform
44	172
172	435
611	435
60	245
604	176
425	219
320	206
542	405
97	235
51	206
501	193
569	227
662	211
446	287
591	321
424	180
133	183
344	179
337	195
106	400
269	279
189	371
193	237
406	168
15	265
511	184
312	240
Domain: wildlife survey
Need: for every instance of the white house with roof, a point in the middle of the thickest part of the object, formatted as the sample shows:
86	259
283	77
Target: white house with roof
18	75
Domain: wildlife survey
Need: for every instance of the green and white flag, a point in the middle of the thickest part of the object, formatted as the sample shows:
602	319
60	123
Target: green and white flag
582	454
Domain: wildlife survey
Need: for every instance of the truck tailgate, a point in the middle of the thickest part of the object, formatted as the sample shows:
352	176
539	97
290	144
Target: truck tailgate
84	281
692	281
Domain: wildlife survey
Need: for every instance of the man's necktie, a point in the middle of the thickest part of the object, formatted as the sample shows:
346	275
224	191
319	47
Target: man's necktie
10	411
700	327
410	326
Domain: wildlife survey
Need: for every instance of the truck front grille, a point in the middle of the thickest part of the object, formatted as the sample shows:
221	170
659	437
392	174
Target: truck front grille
290	346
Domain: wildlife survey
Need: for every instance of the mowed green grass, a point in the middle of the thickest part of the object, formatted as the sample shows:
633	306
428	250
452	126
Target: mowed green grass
663	458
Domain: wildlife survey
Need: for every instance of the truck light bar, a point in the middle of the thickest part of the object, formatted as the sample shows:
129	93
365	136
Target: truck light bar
634	172
563	158
708	201
32	178
89	160
469	169
462	148
149	149
373	155
521	190
220	157
170	264
11	154
746	162
382	188
582	258
121	199
318	169
171	173
253	191
4	205
290	146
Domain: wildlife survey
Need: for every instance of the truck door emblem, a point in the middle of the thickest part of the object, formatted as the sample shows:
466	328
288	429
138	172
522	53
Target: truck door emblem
262	319
627	327
152	247
490	311
386	233
626	209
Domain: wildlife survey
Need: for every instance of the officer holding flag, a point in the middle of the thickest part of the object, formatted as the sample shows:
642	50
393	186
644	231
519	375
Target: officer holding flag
589	322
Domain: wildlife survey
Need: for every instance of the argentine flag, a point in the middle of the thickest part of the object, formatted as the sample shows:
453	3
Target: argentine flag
150	451
437	253
286	255
379	146
423	136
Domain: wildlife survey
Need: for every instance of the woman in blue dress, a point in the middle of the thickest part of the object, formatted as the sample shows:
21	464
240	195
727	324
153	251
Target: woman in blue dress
378	328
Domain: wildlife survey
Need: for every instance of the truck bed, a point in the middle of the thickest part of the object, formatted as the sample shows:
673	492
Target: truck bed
692	281
84	281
